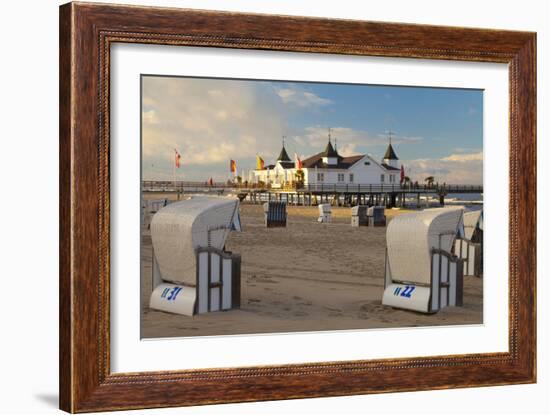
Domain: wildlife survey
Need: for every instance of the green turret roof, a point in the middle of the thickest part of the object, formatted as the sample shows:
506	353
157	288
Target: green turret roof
283	156
330	151
390	154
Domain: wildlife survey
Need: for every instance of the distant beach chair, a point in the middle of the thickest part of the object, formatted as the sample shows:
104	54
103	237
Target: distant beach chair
149	207
359	215
376	216
422	274
275	214
469	246
192	273
325	213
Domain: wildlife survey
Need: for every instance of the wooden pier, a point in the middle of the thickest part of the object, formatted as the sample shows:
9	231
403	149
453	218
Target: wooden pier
390	195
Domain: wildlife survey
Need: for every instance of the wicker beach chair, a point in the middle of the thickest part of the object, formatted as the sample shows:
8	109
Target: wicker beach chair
325	213
275	214
376	216
421	272
359	216
192	272
469	246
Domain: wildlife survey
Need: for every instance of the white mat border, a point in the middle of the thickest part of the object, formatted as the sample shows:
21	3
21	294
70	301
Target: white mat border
129	353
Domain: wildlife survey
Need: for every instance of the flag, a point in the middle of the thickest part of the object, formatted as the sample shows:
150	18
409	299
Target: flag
402	174
232	166
177	158
259	163
299	164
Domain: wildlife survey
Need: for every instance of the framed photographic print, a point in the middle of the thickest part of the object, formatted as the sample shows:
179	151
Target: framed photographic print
260	207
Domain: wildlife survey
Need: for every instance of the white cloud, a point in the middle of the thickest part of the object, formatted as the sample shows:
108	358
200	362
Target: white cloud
316	137
464	157
453	169
209	122
465	150
398	139
348	149
150	117
301	98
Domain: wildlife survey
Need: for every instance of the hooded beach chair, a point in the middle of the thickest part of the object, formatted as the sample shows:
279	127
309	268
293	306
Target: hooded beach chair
421	272
275	214
359	215
149	207
473	228
325	213
192	272
469	247
376	216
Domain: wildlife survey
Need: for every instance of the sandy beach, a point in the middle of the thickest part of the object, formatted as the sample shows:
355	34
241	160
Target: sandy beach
305	277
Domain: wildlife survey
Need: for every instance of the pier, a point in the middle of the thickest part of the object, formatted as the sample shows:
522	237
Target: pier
390	195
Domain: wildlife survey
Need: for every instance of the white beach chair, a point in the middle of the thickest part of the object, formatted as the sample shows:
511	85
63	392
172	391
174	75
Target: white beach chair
192	273
469	247
359	215
325	213
149	207
421	272
376	216
473	227
275	214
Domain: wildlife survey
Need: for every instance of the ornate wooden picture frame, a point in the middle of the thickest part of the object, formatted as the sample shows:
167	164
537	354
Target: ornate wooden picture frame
87	32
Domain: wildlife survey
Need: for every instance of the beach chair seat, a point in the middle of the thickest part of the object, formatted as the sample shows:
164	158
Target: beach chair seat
359	215
217	286
421	273
275	214
325	213
376	216
191	271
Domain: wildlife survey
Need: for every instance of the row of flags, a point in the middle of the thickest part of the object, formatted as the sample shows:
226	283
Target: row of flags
260	164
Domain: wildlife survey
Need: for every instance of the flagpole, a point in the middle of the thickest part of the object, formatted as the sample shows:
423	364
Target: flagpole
174	168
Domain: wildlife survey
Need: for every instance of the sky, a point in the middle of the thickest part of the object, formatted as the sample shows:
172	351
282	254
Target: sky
435	131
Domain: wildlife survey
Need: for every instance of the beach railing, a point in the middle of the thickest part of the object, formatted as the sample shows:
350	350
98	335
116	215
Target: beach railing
189	186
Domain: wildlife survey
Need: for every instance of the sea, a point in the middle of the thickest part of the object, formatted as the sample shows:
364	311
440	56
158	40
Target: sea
470	201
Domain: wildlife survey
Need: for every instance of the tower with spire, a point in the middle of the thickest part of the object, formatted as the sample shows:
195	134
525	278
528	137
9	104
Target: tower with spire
283	155
330	156
390	158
